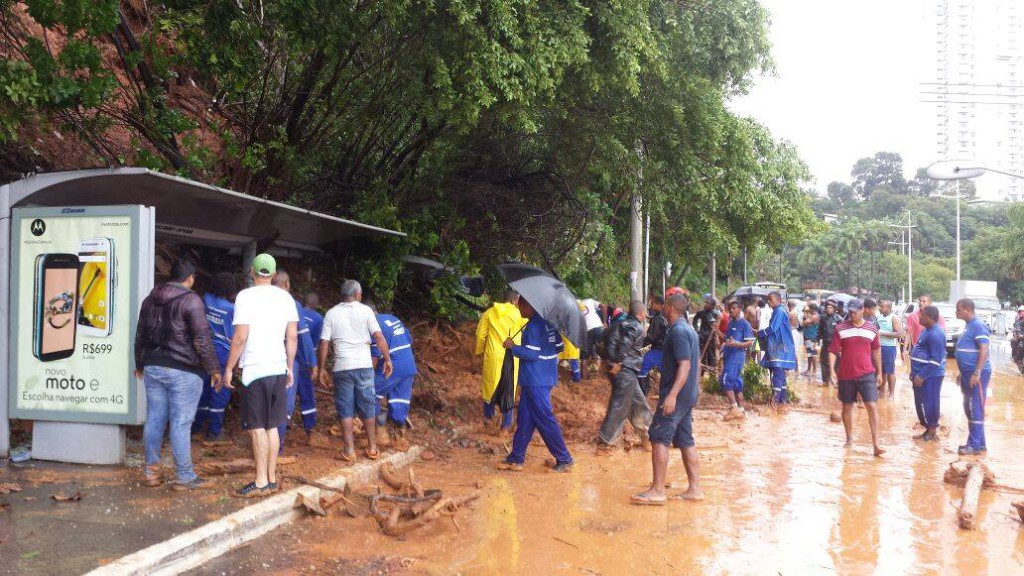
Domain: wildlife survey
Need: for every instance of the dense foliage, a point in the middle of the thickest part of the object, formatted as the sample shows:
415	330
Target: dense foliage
486	129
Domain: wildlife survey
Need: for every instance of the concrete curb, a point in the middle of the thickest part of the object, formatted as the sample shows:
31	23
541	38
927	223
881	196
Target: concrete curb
195	548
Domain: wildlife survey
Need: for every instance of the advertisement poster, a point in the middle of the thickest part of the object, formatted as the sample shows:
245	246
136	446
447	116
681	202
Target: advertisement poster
74	311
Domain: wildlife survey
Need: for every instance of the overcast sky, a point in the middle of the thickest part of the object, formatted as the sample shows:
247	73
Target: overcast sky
848	83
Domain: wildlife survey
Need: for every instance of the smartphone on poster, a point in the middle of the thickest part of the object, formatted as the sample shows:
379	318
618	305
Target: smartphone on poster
96	287
55	306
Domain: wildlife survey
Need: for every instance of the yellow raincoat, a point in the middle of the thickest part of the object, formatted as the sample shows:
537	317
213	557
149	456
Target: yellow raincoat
569	351
498	323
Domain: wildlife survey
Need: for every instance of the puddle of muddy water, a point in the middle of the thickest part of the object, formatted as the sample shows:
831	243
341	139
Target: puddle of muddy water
788	499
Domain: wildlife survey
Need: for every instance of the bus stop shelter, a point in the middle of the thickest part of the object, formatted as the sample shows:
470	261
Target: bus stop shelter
184	211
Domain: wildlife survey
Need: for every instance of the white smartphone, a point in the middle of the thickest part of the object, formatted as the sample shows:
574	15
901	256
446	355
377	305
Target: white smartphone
96	287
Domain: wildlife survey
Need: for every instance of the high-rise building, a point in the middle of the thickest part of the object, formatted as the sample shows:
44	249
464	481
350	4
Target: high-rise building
978	89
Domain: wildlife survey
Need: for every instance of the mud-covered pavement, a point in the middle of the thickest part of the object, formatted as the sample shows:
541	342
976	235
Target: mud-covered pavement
784	497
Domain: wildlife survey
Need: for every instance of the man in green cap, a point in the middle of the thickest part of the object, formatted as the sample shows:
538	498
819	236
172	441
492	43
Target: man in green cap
264	345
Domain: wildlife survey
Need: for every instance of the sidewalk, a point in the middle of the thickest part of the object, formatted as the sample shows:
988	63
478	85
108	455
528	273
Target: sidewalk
116	514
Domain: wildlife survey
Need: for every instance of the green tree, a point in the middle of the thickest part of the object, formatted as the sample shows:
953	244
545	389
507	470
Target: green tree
884	169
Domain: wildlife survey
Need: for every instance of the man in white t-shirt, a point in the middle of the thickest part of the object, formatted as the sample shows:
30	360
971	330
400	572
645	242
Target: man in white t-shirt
348	328
264	345
595	327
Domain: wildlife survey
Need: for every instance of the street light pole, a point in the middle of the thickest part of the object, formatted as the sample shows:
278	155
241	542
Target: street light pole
958	230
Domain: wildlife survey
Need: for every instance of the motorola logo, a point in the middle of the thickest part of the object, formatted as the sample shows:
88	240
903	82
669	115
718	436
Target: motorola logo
38	227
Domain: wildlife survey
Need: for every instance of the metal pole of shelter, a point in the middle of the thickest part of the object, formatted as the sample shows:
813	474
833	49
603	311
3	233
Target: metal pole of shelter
5	318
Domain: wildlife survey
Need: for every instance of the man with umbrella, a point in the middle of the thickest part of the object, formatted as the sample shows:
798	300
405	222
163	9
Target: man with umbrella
551	311
538	374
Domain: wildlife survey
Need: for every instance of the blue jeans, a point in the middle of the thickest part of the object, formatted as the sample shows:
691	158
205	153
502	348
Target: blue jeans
171	398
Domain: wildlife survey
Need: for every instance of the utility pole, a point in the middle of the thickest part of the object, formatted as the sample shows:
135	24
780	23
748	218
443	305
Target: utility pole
714	276
909	231
636	240
647	254
745	267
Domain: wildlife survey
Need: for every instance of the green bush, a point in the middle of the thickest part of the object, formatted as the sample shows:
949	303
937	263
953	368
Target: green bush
756	388
710	385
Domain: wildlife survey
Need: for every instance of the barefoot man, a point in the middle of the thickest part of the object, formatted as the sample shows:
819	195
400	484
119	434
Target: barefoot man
738	338
673	418
860	372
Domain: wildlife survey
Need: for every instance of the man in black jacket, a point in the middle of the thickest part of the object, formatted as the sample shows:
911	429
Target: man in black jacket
624	347
173	351
657	326
705	323
826	329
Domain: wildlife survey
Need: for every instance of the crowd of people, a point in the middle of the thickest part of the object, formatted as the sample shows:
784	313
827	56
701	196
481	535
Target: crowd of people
187	348
855	346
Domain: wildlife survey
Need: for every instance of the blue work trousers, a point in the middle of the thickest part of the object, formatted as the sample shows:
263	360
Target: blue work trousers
397	394
574	369
211	409
506	417
926	400
974	407
779	393
535	414
171	399
307	399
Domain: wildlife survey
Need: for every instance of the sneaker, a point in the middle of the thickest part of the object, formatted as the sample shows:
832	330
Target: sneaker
563	466
510	466
251	490
196	483
971	451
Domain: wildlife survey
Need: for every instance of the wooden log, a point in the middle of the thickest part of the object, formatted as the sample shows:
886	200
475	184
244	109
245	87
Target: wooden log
311	504
958	471
968	515
1020	509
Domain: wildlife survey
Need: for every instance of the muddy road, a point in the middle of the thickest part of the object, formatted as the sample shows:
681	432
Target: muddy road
784	497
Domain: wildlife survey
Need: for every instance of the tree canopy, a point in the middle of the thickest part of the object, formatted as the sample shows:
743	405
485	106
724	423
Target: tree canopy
487	130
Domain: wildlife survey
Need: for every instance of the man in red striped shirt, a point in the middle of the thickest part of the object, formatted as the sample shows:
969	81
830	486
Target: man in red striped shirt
860	372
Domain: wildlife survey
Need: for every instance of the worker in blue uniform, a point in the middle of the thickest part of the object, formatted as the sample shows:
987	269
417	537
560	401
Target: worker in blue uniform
927	368
394	391
972	358
220	313
305	357
538	374
304	380
780	351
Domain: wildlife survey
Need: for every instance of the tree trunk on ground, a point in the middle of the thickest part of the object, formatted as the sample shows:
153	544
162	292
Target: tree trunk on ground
968	515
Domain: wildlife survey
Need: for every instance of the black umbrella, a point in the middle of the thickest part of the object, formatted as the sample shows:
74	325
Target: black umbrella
550	298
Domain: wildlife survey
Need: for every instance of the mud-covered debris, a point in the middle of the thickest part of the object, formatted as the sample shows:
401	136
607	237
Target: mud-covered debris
8	487
427	456
64	497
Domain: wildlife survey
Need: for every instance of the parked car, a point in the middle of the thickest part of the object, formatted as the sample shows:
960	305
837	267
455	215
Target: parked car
954	326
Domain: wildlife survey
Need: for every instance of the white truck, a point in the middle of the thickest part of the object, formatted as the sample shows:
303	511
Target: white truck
986	302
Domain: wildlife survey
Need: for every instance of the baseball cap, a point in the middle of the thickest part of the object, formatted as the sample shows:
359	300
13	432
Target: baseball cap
264	265
855	304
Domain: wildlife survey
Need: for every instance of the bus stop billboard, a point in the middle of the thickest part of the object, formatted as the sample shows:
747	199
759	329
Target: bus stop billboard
77	276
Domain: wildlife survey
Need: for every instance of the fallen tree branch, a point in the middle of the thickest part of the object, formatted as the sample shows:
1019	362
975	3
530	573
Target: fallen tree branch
972	491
